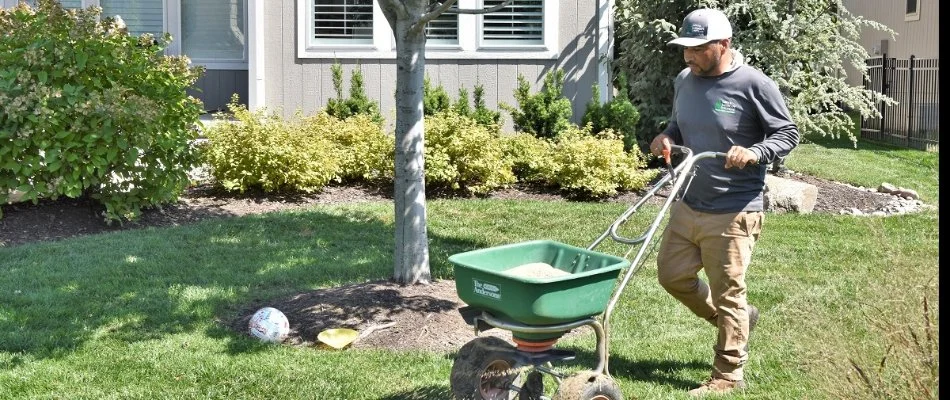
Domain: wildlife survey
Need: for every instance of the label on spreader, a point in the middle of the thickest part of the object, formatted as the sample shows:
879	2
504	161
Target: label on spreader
487	289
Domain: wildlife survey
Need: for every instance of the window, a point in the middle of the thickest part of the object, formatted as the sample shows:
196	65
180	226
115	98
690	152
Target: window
343	21
139	16
358	29
214	32
65	3
443	30
521	22
210	33
912	11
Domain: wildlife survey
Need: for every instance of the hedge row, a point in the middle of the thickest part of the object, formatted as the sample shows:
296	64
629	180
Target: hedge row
263	151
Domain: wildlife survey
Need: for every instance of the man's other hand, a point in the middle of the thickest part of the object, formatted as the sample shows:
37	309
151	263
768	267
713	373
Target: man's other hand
659	143
739	156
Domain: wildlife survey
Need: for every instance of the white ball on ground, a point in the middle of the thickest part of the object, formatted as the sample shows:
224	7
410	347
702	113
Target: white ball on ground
269	325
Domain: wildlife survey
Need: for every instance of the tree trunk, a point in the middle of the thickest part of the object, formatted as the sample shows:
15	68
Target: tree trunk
412	244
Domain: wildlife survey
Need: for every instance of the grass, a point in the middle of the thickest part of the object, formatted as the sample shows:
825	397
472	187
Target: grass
869	164
136	314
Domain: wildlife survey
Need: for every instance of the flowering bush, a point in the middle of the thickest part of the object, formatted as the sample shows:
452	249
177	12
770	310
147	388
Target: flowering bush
89	110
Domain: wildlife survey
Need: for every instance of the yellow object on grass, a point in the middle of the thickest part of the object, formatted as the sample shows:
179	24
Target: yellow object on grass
337	338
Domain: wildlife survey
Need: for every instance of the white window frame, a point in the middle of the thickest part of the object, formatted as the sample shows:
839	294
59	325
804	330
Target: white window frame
468	47
912	16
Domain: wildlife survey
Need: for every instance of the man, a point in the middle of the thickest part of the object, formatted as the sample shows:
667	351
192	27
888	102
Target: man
724	106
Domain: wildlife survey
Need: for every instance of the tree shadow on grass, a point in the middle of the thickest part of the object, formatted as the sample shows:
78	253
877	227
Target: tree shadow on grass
140	285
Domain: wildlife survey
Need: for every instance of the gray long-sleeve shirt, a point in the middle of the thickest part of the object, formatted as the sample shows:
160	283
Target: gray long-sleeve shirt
740	107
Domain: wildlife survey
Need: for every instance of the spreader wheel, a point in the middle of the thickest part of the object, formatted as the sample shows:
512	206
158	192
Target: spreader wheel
484	369
588	385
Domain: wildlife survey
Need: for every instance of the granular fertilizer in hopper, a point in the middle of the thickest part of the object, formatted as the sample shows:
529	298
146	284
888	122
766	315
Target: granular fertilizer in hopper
535	270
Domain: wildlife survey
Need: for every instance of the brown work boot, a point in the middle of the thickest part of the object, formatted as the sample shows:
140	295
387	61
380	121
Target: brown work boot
716	386
753	320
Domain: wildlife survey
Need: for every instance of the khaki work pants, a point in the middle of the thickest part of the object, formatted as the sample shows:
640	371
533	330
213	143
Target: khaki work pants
721	245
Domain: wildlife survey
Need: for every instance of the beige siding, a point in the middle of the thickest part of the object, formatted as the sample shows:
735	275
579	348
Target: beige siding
306	84
919	38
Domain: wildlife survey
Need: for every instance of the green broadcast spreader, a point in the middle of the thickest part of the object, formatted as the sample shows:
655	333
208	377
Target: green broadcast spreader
540	290
481	282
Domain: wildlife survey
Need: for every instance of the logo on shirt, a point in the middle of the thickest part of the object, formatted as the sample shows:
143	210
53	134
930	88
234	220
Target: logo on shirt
724	106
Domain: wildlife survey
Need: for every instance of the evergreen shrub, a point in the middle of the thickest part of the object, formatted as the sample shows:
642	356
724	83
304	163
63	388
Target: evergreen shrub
618	114
543	114
357	103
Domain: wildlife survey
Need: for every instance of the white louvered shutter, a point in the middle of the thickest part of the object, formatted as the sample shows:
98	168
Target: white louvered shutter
343	21
520	23
443	30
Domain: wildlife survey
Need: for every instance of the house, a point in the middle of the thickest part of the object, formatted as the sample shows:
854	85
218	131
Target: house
210	33
278	53
905	67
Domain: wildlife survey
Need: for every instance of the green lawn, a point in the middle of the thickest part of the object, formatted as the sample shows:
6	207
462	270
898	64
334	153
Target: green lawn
135	314
869	164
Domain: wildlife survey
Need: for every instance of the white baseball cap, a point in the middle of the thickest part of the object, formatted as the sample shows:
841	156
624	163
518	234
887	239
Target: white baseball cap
702	26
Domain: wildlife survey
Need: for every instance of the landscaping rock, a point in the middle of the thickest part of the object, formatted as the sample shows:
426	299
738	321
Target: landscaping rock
788	195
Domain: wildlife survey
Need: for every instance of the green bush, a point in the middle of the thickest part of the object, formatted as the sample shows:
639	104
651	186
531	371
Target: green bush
545	113
88	110
461	154
364	150
262	150
483	115
461	106
595	166
530	156
618	114
434	100
578	162
357	103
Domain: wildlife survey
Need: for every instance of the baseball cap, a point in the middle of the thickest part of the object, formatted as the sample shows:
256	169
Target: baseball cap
701	26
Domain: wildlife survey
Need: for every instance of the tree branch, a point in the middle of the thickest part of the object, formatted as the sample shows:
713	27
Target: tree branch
442	8
434	12
472	10
393	10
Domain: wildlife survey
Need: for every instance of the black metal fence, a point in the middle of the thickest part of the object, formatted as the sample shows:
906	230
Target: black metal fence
915	84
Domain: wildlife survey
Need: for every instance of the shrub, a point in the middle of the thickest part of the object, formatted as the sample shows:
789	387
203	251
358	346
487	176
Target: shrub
461	106
586	165
357	103
483	115
530	156
261	150
88	110
545	113
461	154
364	150
578	162
618	115
434	100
